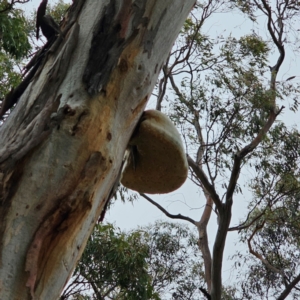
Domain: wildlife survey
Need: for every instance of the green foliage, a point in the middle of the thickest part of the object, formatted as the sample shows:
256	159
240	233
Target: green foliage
58	10
13	33
147	263
278	241
124	195
174	261
247	7
254	45
229	96
8	77
14	46
115	264
225	94
275	210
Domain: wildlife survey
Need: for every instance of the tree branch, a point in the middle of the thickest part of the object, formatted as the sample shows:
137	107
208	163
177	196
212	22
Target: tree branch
204	180
259	256
218	250
179	216
203	239
277	42
10	5
273	114
243	226
205	293
162	86
288	289
248	149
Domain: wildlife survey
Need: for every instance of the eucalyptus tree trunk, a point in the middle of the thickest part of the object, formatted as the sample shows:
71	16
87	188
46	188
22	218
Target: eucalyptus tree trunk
62	146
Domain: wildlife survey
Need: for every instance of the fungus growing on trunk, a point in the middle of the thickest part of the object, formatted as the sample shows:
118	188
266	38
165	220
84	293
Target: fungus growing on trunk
157	163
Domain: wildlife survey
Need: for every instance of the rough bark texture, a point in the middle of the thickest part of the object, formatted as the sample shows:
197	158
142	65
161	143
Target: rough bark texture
63	145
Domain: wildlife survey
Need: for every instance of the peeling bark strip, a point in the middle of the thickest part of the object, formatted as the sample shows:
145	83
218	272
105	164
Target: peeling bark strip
113	31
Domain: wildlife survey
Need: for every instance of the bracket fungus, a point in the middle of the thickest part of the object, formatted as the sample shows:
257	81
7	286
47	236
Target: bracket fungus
157	162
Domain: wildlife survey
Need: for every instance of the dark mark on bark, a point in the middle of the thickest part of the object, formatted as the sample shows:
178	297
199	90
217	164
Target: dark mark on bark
151	34
138	10
105	48
69	111
38	207
123	66
95	163
108	42
76	128
109	136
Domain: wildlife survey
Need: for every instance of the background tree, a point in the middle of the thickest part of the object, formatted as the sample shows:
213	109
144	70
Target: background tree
157	261
19	43
13	33
226	99
113	266
14	45
272	235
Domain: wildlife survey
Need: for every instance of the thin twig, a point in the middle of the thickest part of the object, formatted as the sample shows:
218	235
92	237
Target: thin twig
179	216
259	256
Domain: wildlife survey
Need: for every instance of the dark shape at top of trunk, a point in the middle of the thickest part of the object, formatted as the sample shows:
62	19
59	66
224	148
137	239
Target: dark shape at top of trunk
45	22
41	11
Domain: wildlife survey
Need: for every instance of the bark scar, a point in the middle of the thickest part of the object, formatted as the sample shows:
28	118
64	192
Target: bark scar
67	212
115	29
33	254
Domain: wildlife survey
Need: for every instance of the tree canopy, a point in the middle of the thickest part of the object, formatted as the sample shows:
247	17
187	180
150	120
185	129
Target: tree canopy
157	261
228	96
14	45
